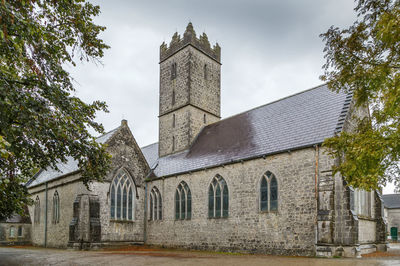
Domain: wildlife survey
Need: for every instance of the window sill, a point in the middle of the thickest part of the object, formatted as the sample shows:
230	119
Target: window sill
122	221
152	221
218	218
187	219
267	212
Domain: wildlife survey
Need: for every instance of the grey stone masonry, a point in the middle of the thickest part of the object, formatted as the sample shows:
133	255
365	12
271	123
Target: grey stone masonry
381	224
85	214
190	77
288	231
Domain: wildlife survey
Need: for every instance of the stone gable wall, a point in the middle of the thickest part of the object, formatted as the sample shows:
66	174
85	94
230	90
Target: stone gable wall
126	156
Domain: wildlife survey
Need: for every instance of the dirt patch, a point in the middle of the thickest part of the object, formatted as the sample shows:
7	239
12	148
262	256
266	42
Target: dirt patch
132	248
22	247
380	254
155	254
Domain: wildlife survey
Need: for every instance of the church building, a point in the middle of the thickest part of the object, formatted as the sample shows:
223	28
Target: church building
256	182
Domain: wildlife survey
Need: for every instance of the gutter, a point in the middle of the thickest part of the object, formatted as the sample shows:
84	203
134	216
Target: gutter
229	162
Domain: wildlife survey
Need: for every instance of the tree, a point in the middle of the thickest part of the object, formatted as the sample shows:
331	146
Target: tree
41	122
365	58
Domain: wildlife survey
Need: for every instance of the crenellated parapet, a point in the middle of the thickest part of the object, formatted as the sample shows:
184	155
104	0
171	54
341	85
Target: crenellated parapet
189	38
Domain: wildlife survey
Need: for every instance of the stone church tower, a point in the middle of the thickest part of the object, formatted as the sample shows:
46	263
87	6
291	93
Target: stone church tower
190	89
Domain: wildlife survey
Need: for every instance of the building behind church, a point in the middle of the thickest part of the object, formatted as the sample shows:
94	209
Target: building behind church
392	216
256	182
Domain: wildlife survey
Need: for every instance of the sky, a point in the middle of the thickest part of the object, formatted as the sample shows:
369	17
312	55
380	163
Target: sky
270	49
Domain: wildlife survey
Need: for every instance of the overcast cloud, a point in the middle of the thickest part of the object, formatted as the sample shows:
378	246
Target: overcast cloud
269	49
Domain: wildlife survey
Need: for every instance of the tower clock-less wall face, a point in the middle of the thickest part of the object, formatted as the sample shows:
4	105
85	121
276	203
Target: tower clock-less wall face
190	91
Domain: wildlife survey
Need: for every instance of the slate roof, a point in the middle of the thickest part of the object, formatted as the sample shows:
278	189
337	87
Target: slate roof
150	152
294	122
391	201
64	168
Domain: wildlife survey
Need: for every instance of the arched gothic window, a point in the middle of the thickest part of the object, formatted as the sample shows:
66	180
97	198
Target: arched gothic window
36	212
218	198
183	202
269	192
205	71
155	204
122	195
56	208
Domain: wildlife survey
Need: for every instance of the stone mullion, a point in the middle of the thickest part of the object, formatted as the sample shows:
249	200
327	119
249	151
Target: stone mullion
126	210
186	203
127	201
215	200
180	204
122	197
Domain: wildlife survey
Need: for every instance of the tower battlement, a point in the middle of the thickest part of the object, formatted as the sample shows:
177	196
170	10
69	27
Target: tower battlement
189	38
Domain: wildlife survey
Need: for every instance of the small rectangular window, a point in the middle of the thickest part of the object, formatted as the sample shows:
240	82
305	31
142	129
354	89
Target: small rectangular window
173	71
20	231
173	120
